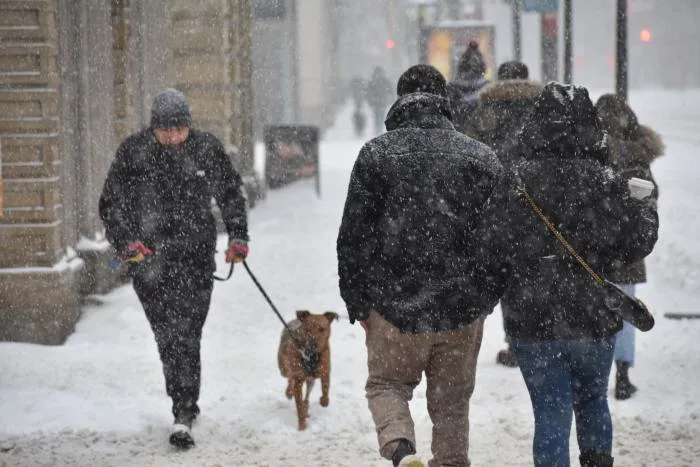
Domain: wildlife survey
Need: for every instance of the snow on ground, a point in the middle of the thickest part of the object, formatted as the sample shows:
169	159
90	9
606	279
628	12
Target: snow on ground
99	400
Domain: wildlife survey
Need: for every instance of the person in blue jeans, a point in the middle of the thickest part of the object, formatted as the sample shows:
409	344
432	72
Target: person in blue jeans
560	329
633	147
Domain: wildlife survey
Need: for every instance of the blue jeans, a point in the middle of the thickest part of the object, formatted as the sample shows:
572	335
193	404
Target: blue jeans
565	377
624	340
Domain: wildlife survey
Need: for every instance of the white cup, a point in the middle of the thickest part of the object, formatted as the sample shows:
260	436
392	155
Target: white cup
640	188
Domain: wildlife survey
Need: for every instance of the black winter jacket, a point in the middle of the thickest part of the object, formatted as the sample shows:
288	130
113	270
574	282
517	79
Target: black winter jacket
164	197
409	246
549	295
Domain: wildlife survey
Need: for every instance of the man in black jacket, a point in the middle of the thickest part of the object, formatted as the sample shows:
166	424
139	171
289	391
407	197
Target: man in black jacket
413	269
156	208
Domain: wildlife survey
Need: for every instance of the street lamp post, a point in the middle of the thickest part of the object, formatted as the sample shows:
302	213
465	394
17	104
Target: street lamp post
568	42
622	56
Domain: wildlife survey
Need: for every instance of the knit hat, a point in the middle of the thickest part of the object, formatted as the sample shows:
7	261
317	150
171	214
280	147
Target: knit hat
513	69
422	78
471	64
170	110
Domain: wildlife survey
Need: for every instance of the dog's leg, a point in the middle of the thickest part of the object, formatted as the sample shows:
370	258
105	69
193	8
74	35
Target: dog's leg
325	387
300	403
289	392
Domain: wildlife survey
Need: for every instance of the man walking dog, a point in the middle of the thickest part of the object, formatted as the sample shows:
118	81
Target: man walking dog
156	208
414	268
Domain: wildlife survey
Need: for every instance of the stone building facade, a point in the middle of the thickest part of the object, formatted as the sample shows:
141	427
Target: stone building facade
76	77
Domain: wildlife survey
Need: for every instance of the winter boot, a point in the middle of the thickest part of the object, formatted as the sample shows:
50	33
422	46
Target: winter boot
506	357
595	459
405	455
181	434
623	387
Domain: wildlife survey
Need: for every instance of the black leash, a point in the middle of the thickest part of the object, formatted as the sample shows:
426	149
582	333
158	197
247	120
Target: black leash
310	357
230	273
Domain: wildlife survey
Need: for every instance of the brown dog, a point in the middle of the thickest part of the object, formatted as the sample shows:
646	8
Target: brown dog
304	355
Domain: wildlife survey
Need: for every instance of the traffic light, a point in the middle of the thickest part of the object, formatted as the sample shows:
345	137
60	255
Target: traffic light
390	44
645	35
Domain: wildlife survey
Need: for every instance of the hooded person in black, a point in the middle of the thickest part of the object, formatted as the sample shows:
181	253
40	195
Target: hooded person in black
558	323
412	268
156	209
633	147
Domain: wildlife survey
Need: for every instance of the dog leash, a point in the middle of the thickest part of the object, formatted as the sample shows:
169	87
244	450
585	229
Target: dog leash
310	357
230	273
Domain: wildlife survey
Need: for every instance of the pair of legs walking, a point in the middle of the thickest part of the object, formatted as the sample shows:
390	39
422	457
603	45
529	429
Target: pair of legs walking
396	362
624	355
176	301
566	377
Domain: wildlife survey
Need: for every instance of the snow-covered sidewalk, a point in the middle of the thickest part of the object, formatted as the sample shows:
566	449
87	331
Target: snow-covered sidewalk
99	400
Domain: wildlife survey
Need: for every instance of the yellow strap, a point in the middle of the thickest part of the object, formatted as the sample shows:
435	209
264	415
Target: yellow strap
558	235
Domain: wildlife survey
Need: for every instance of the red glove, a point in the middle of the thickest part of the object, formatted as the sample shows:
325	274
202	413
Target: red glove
237	251
135	252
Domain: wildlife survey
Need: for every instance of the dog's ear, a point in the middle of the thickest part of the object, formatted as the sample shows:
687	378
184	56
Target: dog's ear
302	314
331	315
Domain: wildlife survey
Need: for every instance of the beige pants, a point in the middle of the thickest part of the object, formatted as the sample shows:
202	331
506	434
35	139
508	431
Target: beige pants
396	362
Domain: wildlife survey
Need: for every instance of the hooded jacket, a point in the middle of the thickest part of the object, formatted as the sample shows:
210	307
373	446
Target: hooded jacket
633	147
565	169
409	242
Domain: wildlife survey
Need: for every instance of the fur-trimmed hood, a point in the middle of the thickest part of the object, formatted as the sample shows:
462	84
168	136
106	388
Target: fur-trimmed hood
510	90
644	148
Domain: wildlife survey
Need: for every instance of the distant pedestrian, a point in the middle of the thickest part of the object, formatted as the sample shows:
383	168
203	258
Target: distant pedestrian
468	81
156	208
357	95
496	121
560	328
414	270
379	95
633	147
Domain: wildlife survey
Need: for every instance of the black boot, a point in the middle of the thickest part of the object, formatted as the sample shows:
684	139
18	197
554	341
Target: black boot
623	387
506	357
402	450
595	459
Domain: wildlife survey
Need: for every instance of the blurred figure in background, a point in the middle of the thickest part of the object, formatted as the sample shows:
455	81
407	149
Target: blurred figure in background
379	95
633	147
463	90
497	119
357	94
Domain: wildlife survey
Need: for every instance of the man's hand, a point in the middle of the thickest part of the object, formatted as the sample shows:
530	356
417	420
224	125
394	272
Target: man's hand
237	251
135	252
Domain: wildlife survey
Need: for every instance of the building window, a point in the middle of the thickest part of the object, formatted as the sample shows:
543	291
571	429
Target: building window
269	9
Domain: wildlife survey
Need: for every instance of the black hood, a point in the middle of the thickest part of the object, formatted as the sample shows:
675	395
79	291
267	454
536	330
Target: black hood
421	110
563	123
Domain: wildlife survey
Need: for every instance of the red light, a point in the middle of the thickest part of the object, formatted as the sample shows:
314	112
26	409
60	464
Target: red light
645	35
390	44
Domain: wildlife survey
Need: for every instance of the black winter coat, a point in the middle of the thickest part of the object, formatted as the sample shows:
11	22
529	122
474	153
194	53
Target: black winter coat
549	295
409	246
500	113
164	198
